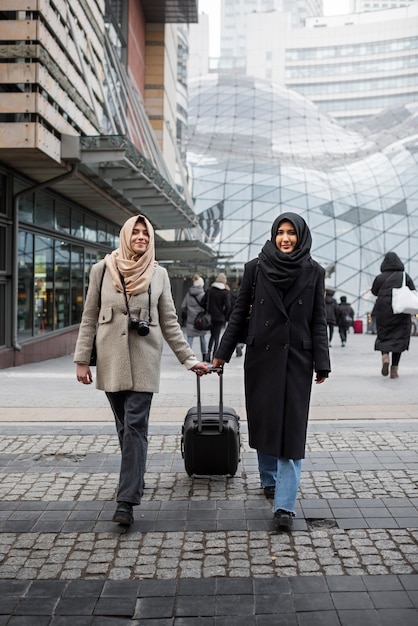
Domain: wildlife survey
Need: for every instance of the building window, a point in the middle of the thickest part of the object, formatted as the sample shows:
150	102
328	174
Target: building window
43	285
77	285
25	297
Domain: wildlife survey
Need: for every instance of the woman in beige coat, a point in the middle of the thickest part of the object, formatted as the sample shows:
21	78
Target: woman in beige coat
136	314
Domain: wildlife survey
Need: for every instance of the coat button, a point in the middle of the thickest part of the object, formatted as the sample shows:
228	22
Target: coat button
267	323
125	312
299	301
262	301
267	347
286	346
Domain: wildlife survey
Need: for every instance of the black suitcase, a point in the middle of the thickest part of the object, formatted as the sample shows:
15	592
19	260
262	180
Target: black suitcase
210	442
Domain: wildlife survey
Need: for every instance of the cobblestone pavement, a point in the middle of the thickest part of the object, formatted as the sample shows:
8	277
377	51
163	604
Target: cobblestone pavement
203	550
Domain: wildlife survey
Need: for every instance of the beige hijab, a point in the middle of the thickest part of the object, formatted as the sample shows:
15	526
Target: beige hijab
136	270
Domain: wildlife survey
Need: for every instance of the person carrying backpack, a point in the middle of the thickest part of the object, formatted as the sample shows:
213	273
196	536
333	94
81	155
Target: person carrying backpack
345	319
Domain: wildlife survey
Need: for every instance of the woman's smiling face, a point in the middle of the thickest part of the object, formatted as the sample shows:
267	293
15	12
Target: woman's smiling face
286	237
139	238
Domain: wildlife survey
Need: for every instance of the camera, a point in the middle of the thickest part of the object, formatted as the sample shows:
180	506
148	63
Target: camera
141	326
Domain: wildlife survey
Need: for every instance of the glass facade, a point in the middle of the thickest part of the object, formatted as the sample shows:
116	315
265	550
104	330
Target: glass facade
257	149
58	244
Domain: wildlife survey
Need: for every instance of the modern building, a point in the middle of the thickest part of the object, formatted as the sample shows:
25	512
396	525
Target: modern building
92	97
351	66
358	6
235	19
256	148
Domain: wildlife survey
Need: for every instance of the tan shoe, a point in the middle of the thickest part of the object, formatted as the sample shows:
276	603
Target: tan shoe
385	364
394	371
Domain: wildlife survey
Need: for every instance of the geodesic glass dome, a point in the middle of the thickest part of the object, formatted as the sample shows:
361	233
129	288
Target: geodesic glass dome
256	149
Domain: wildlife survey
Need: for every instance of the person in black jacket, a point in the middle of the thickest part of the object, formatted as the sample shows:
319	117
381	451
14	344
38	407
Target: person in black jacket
345	319
280	310
331	308
393	330
217	301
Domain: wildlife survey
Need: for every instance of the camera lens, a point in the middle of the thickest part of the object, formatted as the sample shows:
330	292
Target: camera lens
143	328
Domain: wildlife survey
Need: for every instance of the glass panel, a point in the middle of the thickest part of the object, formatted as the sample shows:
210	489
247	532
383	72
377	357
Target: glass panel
102	233
26	208
62	284
44	210
2	248
2	319
25	286
90	228
3	193
44	285
77	223
77	267
62	218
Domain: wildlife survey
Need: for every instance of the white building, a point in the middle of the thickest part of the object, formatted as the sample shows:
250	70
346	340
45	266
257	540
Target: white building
358	6
352	66
235	17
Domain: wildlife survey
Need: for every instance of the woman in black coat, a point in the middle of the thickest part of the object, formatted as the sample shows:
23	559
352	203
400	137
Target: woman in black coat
286	341
393	330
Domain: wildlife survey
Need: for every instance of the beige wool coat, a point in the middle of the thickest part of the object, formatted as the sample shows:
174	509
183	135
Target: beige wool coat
125	360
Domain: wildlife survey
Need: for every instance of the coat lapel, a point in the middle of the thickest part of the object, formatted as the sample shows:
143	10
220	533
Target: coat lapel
273	293
299	285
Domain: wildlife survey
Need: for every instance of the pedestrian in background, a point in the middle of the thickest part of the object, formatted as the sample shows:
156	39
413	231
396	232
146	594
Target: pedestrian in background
191	306
217	301
136	313
331	308
345	319
286	341
234	295
393	330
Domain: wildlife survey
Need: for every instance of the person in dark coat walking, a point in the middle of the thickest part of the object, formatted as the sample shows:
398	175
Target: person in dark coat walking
393	330
190	308
217	301
345	319
281	311
331	308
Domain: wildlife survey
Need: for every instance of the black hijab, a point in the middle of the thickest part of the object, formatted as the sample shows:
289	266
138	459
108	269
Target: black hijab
280	268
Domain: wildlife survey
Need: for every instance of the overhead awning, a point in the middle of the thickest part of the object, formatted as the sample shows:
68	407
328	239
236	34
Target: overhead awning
182	251
117	167
114	181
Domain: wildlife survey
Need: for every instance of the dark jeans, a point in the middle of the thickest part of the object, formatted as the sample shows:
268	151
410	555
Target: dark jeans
215	334
131	410
343	333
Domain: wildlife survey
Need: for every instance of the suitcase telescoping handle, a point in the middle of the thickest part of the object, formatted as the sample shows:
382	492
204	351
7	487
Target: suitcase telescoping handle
219	371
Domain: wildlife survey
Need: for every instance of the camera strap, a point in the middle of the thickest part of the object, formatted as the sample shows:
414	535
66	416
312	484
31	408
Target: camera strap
122	280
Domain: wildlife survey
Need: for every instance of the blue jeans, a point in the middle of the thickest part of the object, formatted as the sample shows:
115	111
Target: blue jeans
131	410
284	475
203	343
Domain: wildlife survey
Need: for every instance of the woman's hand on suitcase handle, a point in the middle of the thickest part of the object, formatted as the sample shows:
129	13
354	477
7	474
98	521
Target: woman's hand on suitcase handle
201	369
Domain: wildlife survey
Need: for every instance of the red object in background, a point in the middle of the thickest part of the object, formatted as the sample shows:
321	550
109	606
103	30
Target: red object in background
358	326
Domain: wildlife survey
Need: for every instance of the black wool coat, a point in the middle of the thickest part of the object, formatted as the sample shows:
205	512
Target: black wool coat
217	302
393	330
286	341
